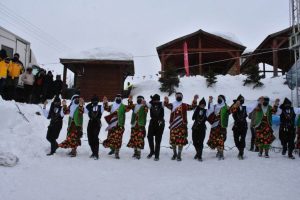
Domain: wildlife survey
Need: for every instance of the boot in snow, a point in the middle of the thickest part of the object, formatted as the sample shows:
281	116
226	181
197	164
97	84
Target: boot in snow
174	153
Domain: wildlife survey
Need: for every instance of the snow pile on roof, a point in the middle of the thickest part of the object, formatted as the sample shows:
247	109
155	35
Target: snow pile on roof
101	53
228	36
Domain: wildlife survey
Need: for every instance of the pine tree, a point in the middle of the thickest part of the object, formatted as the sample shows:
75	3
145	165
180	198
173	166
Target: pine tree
211	78
253	76
169	81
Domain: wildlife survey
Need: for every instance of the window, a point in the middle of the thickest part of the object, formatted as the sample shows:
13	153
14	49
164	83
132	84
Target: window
9	51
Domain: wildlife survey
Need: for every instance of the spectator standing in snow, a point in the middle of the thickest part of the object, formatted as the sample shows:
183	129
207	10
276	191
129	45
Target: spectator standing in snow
28	80
56	115
218	115
138	122
15	69
178	123
199	128
75	111
48	86
3	70
58	85
38	86
94	111
156	126
116	122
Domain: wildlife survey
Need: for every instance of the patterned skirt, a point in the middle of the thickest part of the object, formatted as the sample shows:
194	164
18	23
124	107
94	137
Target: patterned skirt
298	138
178	136
114	138
217	137
264	135
137	136
73	138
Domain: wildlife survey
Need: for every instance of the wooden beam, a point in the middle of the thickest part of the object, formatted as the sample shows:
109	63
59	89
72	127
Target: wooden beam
275	58
163	63
280	41
65	75
221	50
200	56
238	63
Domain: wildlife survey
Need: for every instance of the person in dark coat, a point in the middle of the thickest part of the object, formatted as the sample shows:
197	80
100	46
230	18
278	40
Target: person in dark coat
287	131
199	128
58	85
156	126
240	127
94	112
38	86
48	86
55	114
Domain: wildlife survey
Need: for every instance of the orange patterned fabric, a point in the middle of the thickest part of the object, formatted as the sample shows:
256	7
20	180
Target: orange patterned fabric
138	134
114	138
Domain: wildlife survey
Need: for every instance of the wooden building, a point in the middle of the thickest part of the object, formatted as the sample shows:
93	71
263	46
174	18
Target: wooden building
274	51
103	76
205	51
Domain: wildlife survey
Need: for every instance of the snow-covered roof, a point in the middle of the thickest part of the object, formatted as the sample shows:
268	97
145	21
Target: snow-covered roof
101	53
228	36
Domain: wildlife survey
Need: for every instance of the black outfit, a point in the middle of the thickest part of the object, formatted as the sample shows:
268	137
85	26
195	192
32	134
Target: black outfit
287	132
93	128
57	86
199	130
48	87
28	93
156	128
56	122
240	128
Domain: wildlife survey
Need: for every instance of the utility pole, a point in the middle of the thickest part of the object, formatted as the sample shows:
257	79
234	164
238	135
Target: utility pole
295	44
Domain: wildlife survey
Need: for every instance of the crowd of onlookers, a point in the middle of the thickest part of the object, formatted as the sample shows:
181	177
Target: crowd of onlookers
36	88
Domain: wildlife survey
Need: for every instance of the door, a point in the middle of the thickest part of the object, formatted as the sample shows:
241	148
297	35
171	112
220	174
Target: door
22	50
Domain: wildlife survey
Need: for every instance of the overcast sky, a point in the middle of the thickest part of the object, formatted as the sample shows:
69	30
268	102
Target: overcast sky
138	26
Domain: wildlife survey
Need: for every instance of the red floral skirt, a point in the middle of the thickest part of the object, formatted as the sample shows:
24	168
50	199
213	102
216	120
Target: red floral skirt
73	137
114	138
137	136
178	136
264	135
217	137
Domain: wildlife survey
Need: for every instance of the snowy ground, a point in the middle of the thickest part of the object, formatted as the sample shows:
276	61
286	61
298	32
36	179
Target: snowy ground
61	178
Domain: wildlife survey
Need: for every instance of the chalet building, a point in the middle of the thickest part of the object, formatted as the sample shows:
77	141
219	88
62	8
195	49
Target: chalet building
274	51
206	52
100	72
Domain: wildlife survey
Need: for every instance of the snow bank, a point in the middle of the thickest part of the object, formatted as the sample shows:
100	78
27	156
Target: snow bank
101	53
230	86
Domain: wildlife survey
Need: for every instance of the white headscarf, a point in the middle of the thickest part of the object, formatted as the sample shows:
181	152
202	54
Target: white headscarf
73	106
176	104
115	106
219	106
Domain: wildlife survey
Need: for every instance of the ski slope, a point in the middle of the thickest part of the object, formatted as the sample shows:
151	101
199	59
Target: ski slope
60	177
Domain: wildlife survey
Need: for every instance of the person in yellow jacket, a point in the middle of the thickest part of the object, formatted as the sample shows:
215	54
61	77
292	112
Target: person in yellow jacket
3	70
15	69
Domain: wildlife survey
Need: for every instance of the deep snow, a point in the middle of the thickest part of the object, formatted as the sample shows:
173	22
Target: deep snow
60	177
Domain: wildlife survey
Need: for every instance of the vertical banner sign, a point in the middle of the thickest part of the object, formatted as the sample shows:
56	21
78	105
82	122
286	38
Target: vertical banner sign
186	59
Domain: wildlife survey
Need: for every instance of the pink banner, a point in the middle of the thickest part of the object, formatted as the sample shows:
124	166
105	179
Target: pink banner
186	59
